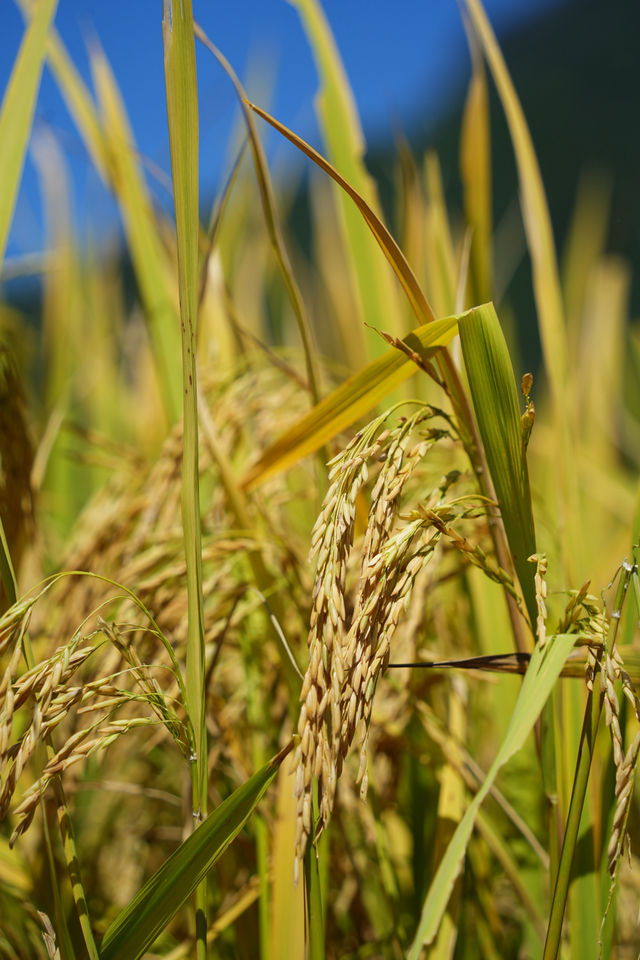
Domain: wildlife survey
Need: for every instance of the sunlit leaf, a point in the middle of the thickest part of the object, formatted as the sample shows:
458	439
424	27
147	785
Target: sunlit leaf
495	399
17	109
350	401
390	248
345	147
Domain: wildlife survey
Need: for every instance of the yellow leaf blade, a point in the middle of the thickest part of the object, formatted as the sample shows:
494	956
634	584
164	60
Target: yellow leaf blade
350	401
390	248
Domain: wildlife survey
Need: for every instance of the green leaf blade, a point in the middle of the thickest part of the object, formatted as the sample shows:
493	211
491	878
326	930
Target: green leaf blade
18	106
495	400
137	926
543	671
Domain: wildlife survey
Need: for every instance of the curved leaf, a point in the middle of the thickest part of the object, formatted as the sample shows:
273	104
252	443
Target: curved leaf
419	303
350	401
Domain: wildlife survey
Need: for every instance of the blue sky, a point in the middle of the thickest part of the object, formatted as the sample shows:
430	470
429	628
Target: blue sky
405	62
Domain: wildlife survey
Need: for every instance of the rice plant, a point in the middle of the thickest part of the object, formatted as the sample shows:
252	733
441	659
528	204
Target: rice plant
316	639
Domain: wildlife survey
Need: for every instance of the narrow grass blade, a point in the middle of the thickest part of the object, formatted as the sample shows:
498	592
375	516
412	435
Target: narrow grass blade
390	248
76	96
451	804
16	114
439	255
257	716
350	401
544	670
495	400
7	573
287	899
345	147
182	116
182	112
137	926
502	849
272	222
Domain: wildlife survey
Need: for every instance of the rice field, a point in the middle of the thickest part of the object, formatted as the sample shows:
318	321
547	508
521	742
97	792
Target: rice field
318	609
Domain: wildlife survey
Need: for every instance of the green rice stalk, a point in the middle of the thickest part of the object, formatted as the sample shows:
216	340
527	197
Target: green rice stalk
313	896
182	111
73	865
61	928
586	750
257	716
